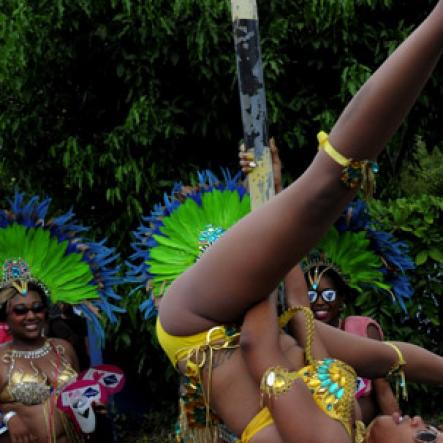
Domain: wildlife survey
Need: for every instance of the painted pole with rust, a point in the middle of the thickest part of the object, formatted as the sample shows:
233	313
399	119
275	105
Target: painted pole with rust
252	97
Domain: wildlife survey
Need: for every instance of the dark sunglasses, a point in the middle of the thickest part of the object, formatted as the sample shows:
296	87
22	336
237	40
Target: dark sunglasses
426	435
36	308
328	295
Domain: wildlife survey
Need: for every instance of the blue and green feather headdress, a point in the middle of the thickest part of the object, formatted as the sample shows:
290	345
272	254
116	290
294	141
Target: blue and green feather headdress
55	254
172	238
363	255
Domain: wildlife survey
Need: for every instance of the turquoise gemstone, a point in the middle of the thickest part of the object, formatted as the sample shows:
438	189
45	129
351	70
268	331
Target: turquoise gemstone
333	388
323	377
329	407
326	383
339	393
375	168
327	361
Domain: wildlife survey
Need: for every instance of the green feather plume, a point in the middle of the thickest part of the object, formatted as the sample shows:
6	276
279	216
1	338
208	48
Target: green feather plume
67	277
178	247
350	255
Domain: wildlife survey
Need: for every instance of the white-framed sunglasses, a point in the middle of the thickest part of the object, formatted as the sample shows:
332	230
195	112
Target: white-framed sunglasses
328	295
428	435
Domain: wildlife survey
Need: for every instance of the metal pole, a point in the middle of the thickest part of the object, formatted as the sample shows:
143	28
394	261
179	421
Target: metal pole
252	97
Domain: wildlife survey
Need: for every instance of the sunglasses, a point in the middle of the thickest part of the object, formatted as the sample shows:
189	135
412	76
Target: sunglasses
21	310
328	295
428	435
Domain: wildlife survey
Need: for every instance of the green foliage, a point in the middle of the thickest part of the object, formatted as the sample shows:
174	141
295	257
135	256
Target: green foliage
417	220
105	103
132	331
423	174
154	427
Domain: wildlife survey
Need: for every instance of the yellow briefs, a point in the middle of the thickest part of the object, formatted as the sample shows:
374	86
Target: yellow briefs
178	348
259	422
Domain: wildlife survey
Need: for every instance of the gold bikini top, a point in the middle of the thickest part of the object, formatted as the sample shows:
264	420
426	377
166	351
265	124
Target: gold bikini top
33	387
331	382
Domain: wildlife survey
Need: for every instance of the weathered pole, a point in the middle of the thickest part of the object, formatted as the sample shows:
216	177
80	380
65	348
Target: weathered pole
252	97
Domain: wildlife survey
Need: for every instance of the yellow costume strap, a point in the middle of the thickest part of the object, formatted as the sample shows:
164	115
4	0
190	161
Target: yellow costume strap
398	371
360	432
356	173
309	322
262	420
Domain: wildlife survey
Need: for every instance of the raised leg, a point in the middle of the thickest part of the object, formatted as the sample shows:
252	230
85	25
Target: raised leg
246	264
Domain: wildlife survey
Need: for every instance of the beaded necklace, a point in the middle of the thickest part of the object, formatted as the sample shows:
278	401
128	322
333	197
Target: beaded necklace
32	354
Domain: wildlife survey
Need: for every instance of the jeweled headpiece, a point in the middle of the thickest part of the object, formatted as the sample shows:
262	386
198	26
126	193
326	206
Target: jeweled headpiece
16	273
349	255
316	272
179	231
209	236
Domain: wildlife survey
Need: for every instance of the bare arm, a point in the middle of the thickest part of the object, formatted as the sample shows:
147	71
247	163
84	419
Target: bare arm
385	398
373	359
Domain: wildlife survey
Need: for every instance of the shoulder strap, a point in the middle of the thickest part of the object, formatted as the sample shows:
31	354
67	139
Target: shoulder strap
284	319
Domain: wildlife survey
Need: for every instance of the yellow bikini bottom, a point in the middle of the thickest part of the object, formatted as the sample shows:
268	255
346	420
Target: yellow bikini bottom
262	420
331	382
194	346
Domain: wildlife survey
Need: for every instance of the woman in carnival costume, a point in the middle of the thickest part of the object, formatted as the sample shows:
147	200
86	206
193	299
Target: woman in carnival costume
245	265
167	243
45	261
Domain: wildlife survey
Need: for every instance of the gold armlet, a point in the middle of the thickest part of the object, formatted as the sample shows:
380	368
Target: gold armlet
276	381
356	173
398	372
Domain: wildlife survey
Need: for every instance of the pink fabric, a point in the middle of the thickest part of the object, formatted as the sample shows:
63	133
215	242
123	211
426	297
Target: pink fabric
358	325
110	377
4	333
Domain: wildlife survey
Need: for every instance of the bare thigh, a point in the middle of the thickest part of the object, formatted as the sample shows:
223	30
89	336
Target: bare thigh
267	435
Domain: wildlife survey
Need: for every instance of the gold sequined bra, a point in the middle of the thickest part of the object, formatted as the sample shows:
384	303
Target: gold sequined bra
331	382
32	386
